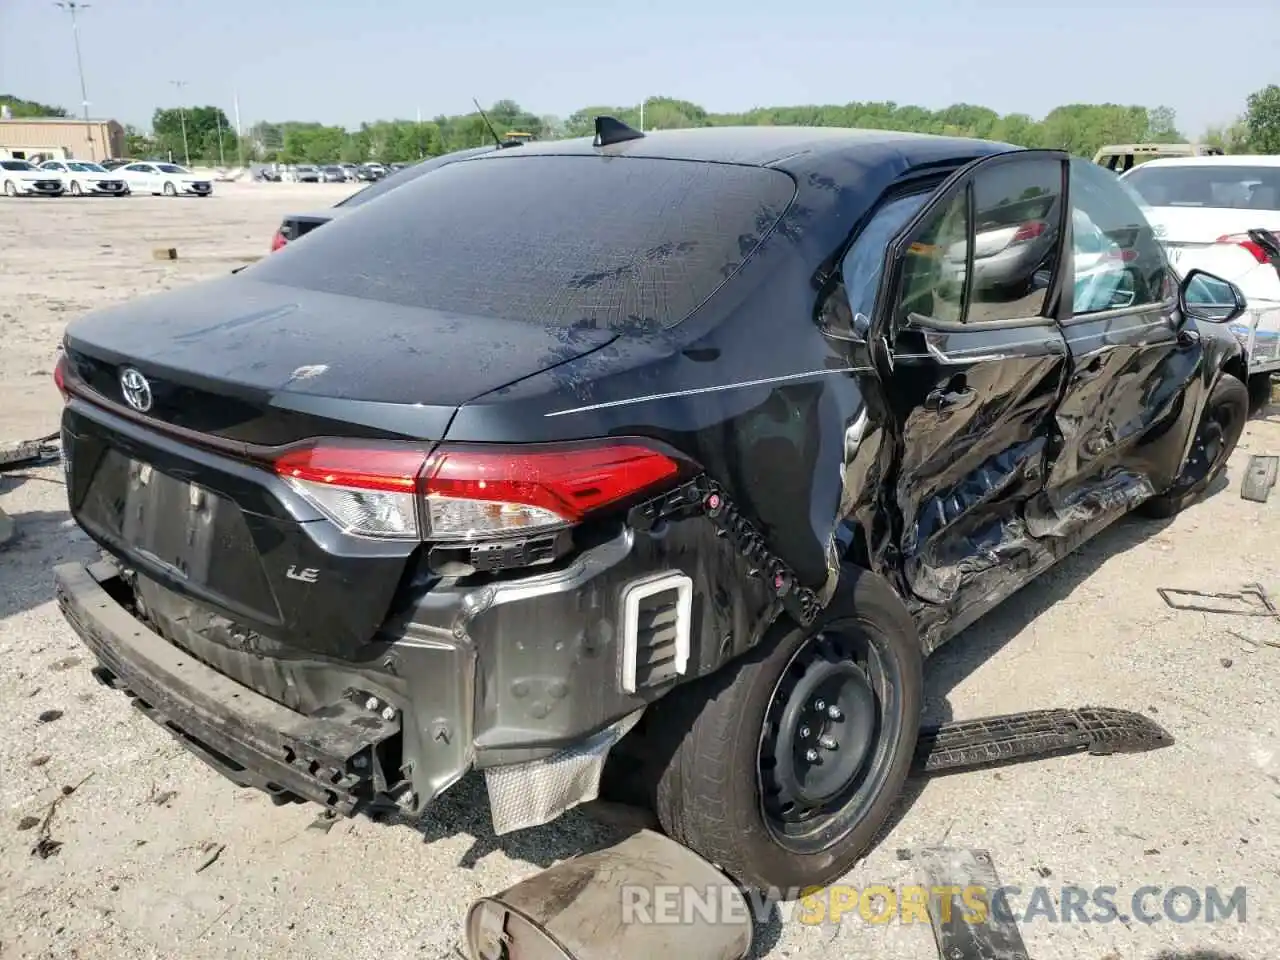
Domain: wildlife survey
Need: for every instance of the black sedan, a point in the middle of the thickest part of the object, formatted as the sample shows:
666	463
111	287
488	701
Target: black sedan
699	439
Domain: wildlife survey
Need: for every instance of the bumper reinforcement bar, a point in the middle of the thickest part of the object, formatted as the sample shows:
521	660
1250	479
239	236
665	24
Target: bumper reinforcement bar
250	739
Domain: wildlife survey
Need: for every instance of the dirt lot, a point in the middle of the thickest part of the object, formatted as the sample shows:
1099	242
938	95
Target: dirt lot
125	881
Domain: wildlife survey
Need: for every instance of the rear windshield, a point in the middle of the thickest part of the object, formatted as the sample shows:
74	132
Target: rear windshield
627	243
1219	186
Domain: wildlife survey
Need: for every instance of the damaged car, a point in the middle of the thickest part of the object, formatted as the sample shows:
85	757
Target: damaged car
685	448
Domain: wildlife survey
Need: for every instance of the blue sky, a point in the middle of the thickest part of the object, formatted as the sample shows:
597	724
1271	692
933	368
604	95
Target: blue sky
343	62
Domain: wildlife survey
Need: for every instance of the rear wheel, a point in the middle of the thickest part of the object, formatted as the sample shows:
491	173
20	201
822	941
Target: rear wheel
9	189
1221	424
782	768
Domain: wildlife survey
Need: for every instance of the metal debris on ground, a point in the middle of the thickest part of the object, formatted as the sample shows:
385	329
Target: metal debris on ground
45	846
1034	734
215	851
27	453
960	930
1259	478
1251	601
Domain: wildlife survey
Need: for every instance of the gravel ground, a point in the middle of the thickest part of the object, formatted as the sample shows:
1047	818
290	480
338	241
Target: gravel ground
125	883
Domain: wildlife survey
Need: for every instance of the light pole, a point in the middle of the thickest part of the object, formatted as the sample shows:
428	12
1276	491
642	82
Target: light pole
182	116
642	103
73	7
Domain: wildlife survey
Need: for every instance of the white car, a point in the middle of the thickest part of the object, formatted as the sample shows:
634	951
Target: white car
167	178
82	178
18	178
1202	209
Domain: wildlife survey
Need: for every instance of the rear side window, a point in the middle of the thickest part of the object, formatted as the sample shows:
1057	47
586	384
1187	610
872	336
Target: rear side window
631	244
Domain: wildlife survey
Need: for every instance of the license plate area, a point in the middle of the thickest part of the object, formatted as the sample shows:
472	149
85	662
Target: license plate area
171	525
170	521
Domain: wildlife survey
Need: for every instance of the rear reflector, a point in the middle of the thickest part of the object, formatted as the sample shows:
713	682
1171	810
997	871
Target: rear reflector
471	492
278	241
60	376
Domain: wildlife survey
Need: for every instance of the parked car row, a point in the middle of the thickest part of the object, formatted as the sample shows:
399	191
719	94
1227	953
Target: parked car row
328	173
55	178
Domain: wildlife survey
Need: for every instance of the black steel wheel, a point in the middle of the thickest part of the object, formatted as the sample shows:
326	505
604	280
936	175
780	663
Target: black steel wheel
757	777
828	737
1221	424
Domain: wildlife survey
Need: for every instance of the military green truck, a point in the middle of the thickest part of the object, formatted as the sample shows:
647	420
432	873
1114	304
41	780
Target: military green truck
1125	156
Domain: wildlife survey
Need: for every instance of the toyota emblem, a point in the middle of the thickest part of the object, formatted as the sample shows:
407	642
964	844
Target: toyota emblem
136	389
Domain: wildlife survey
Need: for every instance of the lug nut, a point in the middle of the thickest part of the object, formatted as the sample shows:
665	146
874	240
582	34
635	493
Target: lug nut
389	713
827	742
372	704
805	731
834	713
819	705
811	756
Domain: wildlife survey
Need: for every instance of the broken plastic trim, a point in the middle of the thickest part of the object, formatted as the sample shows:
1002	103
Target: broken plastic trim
1034	734
702	496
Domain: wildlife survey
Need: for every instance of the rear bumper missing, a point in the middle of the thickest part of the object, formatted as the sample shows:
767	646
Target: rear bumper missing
345	755
332	760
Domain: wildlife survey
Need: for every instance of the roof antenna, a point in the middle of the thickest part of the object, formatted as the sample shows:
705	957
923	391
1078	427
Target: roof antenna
610	130
496	139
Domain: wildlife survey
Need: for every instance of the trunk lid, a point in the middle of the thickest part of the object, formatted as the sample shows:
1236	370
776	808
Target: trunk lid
263	363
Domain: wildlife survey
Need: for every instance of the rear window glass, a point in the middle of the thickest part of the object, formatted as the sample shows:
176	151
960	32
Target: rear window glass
625	243
1228	186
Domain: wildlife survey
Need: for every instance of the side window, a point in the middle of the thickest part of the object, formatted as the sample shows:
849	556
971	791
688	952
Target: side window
1017	223
934	269
1123	264
989	253
863	264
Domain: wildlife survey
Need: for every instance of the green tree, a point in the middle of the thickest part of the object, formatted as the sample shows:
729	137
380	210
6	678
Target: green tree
137	144
30	108
206	127
1262	116
1232	138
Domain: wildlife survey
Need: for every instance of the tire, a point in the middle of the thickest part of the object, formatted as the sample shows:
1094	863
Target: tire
10	190
1217	434
170	190
75	188
710	738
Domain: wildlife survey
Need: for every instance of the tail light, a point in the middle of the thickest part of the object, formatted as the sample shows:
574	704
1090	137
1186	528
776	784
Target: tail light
1256	250
1029	231
463	493
278	241
60	376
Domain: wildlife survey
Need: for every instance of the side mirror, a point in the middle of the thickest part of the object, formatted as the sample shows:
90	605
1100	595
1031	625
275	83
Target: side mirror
1202	296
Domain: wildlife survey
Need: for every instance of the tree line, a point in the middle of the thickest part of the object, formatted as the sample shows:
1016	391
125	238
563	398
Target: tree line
204	134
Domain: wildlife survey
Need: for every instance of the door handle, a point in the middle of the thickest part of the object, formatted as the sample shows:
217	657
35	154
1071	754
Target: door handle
953	395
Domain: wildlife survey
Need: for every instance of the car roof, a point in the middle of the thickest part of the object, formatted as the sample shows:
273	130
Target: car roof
1230	160
764	145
